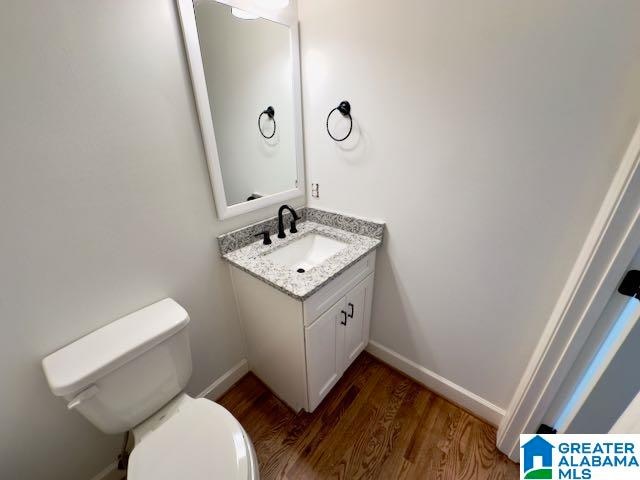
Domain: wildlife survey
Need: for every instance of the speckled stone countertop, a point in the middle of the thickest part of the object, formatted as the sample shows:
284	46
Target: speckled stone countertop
253	258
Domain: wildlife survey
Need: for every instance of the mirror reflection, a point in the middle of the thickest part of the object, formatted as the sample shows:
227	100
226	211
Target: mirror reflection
248	70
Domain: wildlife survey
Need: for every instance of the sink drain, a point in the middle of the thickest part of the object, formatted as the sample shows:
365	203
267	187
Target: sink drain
301	270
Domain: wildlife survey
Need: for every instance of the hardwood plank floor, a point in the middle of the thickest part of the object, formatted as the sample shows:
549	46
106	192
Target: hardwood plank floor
375	424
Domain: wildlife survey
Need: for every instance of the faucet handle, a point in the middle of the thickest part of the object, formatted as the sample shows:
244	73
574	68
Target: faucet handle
293	228
266	239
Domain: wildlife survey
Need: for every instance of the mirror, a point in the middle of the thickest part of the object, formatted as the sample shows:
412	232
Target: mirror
244	63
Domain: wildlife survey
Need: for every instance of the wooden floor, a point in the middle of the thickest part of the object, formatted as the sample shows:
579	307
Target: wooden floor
375	424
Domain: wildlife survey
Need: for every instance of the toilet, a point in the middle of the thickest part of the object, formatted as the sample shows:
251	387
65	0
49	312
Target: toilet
130	375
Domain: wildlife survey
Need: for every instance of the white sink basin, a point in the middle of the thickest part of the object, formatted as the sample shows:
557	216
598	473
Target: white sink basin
307	252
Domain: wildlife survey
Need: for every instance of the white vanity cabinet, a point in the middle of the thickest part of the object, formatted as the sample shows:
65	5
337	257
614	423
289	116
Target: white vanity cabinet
334	340
301	348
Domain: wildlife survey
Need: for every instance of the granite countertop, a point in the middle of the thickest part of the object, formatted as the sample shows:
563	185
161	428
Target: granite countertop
252	258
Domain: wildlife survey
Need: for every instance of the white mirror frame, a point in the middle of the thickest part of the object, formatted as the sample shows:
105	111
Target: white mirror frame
287	16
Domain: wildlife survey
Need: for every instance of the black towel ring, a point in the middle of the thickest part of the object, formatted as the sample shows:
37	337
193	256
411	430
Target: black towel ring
345	109
270	112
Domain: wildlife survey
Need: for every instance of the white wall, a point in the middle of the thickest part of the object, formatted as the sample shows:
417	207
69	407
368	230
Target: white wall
105	207
248	68
487	135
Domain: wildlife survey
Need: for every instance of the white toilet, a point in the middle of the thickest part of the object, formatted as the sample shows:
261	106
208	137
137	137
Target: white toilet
129	375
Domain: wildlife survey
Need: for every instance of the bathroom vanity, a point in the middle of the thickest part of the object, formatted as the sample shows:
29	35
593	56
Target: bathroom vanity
305	301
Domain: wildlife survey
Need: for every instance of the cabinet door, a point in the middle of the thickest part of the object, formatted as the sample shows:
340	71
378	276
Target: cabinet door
324	340
358	307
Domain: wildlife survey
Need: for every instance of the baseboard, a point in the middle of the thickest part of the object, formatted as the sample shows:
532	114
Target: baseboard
107	473
226	381
469	401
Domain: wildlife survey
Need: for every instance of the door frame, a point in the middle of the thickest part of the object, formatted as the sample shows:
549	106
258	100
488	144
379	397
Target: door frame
607	251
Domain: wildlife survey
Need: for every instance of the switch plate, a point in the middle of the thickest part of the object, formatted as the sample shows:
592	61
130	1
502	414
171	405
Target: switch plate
315	190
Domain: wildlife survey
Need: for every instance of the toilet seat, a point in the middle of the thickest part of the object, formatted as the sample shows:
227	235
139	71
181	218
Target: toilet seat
200	441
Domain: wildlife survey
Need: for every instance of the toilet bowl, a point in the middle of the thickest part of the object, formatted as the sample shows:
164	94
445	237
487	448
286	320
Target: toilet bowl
195	439
130	375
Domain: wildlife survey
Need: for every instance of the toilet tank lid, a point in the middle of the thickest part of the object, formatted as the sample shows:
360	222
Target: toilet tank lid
76	366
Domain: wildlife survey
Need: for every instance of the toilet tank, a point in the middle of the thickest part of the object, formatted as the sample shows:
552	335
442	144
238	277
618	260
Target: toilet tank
121	374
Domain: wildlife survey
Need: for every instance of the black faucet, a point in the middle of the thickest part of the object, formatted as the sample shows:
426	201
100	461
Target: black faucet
281	223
